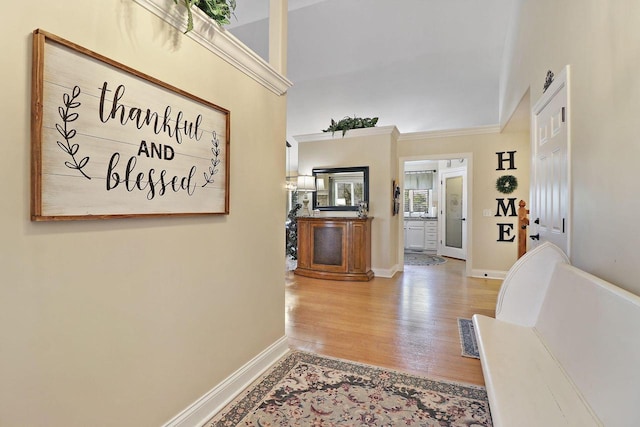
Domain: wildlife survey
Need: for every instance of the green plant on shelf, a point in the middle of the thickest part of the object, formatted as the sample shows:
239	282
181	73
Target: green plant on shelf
349	123
218	10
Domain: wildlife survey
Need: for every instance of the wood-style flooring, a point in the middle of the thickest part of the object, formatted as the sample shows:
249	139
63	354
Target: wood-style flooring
407	323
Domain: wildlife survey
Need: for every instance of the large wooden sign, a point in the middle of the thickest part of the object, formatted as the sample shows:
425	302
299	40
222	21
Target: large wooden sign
109	141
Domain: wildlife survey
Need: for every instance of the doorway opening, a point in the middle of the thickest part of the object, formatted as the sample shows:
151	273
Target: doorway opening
436	200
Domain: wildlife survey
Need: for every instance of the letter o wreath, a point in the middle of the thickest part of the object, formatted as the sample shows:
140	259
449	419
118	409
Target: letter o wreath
507	184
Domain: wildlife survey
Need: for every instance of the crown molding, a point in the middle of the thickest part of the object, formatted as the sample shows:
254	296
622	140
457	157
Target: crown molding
352	133
392	130
480	130
219	41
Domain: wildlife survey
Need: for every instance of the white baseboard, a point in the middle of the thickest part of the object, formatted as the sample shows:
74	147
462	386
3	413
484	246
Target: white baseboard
200	411
489	274
384	272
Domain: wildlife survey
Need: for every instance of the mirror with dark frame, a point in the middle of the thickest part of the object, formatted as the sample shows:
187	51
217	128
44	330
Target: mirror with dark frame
340	189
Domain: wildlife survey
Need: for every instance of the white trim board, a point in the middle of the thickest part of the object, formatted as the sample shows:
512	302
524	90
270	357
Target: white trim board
200	411
351	133
489	274
393	130
387	273
220	42
479	130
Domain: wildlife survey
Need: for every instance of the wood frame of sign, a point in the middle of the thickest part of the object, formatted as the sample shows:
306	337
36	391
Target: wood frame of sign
108	141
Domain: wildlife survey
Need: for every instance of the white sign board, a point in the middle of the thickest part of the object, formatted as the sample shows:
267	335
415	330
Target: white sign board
109	141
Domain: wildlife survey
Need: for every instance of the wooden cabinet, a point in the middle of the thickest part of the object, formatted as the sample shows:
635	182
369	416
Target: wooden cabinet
334	248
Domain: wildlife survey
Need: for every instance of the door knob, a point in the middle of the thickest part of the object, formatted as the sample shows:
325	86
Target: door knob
535	236
463	219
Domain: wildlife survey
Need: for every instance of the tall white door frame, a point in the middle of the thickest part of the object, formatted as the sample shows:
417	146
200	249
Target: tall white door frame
551	207
469	221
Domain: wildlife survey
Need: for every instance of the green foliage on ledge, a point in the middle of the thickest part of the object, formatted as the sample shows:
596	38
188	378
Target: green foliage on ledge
351	123
218	10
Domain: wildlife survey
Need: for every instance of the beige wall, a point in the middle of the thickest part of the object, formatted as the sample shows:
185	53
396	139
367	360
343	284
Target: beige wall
488	256
599	40
127	322
379	150
375	148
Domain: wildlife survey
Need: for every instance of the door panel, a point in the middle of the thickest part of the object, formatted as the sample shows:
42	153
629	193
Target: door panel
454	214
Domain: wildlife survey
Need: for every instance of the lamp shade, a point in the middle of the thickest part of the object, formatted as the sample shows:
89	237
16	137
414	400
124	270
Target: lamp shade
306	183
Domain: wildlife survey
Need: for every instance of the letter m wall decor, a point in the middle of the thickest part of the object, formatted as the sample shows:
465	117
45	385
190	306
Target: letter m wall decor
108	141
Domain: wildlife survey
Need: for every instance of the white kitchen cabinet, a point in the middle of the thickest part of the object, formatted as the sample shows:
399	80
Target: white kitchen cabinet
421	235
431	235
414	235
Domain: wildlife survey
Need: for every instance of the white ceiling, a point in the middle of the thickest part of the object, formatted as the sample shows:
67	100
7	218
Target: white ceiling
418	64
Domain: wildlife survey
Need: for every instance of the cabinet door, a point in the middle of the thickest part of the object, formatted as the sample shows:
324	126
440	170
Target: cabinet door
329	243
431	235
304	244
406	242
360	251
430	242
415	235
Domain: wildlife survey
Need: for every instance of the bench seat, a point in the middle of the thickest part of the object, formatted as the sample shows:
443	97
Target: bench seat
564	348
525	384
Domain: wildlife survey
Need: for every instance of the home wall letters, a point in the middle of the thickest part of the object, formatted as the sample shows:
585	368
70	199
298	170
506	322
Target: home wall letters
506	209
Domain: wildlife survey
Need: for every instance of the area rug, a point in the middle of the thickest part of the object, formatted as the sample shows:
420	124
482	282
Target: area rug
305	389
468	338
421	258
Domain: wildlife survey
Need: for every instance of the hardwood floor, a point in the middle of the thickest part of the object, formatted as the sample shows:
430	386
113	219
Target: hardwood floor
407	323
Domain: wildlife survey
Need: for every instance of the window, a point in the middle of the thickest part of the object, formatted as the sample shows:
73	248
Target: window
416	201
418	185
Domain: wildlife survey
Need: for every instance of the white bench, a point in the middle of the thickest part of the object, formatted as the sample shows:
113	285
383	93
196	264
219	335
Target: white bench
564	348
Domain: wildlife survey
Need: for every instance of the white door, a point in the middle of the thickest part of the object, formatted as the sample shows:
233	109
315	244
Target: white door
550	204
453	214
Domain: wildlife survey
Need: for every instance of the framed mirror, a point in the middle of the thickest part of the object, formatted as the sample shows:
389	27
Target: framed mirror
341	189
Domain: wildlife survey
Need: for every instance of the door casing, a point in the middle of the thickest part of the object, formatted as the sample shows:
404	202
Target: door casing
468	156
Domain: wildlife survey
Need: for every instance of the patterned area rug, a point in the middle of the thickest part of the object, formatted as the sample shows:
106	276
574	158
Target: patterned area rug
468	338
305	389
421	258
